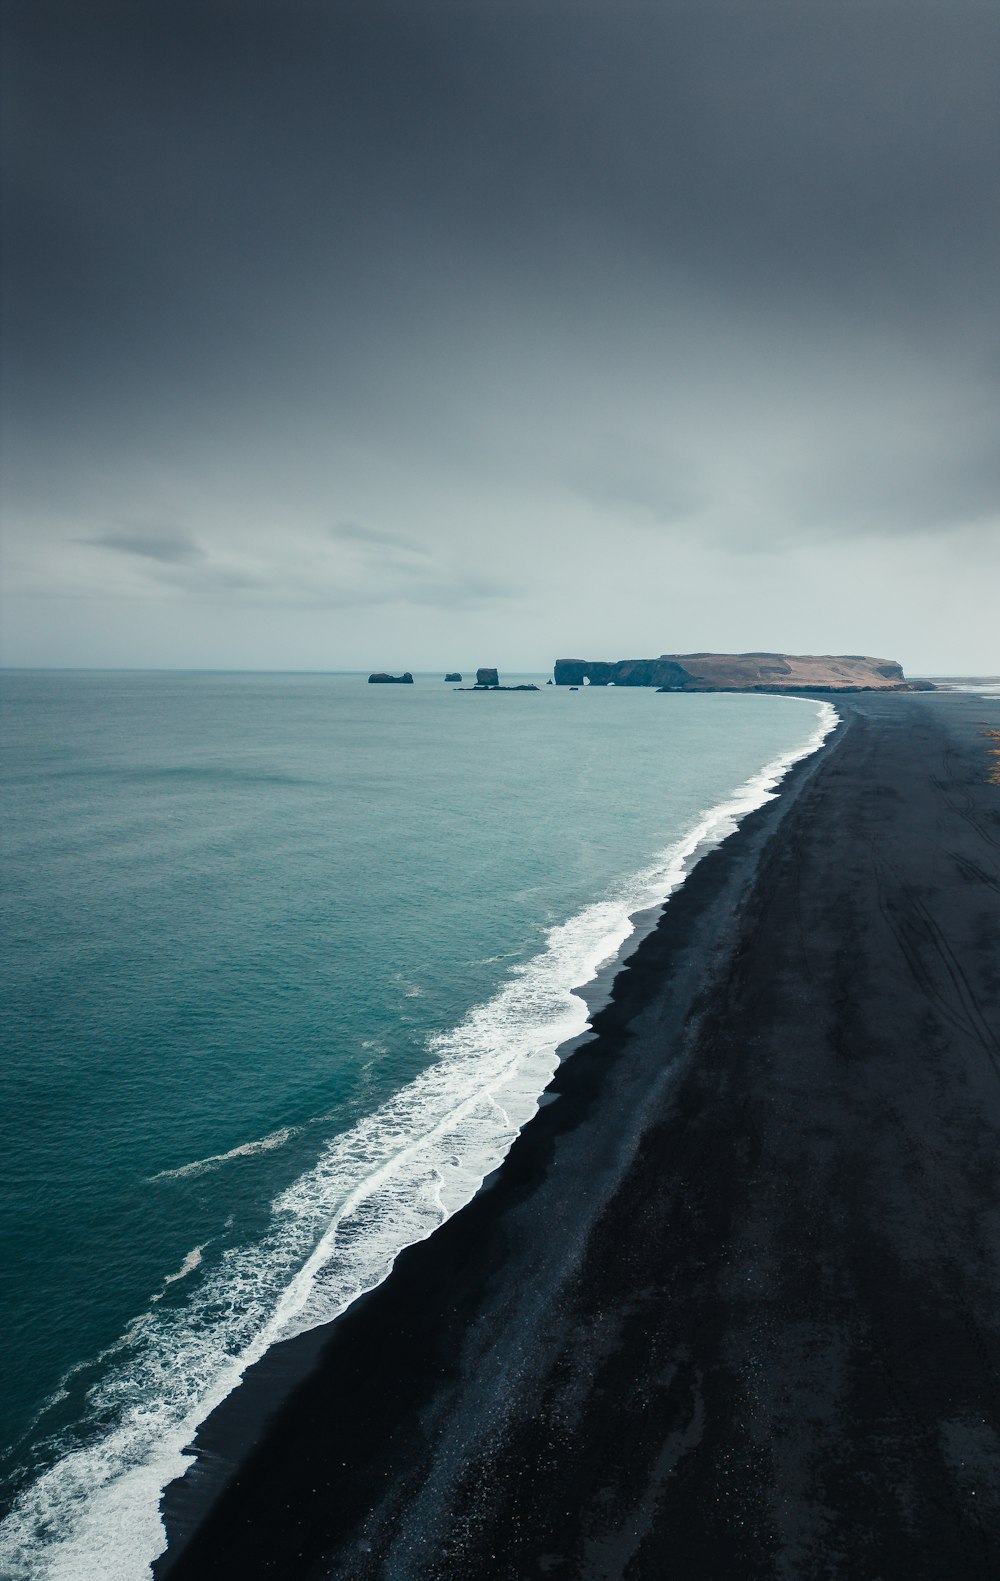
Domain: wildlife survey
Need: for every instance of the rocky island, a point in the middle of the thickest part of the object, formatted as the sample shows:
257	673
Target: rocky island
381	678
488	680
743	672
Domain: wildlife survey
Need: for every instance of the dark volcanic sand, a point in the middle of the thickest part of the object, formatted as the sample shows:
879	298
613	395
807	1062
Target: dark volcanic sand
732	1307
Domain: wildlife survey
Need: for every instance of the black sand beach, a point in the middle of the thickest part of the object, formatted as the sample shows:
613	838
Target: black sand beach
731	1309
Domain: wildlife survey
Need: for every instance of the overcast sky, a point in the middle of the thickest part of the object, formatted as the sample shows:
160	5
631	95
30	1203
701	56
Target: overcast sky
343	336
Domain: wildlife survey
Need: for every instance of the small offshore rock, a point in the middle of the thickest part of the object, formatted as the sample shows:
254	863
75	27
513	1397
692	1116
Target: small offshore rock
486	677
491	689
380	678
453	675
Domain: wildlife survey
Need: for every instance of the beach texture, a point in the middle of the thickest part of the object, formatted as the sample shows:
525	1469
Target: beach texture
731	1307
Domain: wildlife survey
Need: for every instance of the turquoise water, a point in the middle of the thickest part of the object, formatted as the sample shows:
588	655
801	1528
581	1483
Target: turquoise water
288	959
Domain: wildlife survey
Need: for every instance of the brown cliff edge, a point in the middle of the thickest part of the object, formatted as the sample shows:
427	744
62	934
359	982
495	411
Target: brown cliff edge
743	672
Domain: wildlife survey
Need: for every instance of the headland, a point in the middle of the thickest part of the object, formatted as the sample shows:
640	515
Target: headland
742	672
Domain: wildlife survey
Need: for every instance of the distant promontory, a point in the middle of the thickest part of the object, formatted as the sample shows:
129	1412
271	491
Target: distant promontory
743	672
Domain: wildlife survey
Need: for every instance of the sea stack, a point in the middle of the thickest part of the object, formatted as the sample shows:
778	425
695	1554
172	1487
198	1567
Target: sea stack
453	675
380	678
488	680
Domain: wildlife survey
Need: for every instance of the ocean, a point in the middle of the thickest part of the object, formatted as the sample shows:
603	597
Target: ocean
287	962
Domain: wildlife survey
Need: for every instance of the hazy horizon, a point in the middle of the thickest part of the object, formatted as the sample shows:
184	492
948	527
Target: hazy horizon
436	672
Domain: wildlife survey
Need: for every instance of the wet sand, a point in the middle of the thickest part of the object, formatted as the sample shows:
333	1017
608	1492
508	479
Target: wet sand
731	1308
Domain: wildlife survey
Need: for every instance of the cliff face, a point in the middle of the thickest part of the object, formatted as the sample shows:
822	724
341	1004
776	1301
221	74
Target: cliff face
625	672
740	672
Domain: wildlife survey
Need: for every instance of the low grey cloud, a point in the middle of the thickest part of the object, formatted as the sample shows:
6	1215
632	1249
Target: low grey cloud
447	593
167	545
939	480
643	484
428	584
395	568
215	579
460	590
375	538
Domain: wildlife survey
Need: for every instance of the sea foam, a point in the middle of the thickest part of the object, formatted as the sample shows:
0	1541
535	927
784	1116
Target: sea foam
200	1166
385	1184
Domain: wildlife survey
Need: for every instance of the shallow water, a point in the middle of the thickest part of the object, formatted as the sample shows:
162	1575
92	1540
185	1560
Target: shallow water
289	960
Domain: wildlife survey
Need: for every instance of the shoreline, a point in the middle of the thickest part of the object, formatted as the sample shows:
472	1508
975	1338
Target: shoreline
128	1500
734	1312
240	1428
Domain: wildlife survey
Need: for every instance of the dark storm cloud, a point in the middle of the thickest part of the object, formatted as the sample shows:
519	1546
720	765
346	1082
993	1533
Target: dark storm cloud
199	188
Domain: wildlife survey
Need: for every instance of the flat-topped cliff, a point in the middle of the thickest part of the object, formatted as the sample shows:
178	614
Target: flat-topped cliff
743	672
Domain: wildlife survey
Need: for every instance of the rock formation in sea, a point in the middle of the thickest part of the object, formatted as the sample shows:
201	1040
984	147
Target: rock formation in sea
742	672
488	680
380	678
453	675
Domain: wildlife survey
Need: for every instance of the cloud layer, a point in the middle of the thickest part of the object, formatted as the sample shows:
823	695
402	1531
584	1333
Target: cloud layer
349	335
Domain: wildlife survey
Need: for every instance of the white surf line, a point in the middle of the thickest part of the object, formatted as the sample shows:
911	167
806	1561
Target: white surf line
666	876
